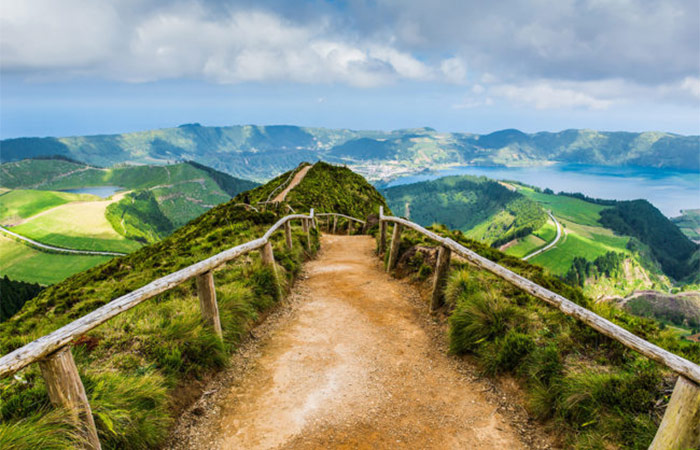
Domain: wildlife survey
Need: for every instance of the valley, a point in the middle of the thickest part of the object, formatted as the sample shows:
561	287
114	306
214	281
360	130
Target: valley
52	201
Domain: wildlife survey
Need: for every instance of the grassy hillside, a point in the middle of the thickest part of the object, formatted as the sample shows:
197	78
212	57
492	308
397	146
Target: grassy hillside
16	205
587	388
161	199
78	225
134	366
511	216
689	223
261	152
21	262
14	294
484	208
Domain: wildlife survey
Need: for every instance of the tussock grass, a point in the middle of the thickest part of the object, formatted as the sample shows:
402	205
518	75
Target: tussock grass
587	387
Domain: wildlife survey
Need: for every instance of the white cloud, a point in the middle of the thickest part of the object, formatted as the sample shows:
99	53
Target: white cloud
692	86
454	69
543	95
185	40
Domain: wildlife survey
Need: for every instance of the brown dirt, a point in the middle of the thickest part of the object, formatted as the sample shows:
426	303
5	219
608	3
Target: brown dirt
351	363
295	181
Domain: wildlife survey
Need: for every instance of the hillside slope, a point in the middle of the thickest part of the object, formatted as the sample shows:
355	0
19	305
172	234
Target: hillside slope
261	152
483	208
159	200
134	366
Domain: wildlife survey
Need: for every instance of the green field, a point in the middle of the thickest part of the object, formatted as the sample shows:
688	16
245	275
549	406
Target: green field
16	205
569	208
81	226
534	241
21	262
580	240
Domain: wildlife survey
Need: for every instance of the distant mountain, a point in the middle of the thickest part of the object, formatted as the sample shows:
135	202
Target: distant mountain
689	223
262	152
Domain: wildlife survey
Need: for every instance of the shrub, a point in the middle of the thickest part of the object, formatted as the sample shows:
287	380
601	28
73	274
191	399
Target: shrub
479	317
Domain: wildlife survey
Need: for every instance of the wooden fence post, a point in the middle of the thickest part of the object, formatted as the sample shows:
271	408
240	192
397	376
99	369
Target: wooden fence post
268	259
335	223
304	225
441	268
288	234
382	231
349	227
207	301
394	250
680	427
66	390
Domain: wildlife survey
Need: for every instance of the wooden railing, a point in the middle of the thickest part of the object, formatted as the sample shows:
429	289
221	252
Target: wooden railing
53	351
335	216
680	426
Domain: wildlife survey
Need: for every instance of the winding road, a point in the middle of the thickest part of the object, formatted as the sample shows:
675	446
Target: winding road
34	243
551	244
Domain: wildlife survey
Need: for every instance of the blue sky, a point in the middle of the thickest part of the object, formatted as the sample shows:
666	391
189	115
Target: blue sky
78	67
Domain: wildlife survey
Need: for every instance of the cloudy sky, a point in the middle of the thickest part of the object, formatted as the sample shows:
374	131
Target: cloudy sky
85	67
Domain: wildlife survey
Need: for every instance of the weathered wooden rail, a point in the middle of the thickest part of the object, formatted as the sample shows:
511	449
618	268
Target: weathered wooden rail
336	216
53	352
680	426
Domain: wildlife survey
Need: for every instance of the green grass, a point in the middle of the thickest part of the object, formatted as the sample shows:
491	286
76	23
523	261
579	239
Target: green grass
24	203
592	390
525	246
81	226
568	208
21	262
534	241
586	242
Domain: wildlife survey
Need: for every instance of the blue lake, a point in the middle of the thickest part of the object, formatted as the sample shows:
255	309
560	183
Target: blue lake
669	190
100	191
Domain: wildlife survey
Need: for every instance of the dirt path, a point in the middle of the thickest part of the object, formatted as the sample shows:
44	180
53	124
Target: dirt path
295	181
351	367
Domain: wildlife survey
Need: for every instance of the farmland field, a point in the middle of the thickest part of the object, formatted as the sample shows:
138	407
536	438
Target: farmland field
21	262
533	241
77	225
16	205
580	240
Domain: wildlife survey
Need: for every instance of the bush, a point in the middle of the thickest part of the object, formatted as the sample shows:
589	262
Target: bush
479	317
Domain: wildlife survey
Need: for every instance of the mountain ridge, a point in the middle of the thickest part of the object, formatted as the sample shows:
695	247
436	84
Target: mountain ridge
261	152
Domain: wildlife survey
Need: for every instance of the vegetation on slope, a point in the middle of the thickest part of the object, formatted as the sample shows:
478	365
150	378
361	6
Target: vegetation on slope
14	294
163	198
16	205
138	217
319	190
689	223
589	388
25	263
133	365
488	210
671	248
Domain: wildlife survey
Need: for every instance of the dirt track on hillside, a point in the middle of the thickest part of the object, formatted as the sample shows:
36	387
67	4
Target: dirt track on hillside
351	365
295	181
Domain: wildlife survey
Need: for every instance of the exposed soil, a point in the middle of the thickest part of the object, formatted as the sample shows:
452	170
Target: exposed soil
295	181
353	361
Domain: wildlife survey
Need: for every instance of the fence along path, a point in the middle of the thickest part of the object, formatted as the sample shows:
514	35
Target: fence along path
53	352
680	427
